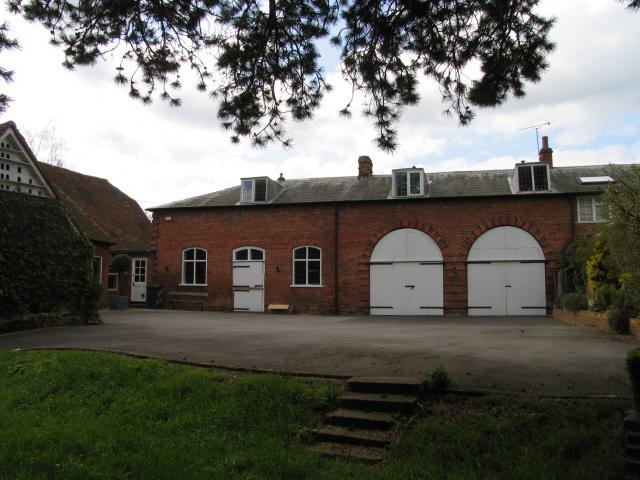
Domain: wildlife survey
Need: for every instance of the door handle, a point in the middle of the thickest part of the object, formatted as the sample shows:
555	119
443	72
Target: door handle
410	286
507	286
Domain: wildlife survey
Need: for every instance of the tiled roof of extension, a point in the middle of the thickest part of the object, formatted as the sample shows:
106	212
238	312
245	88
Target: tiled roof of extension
487	183
100	210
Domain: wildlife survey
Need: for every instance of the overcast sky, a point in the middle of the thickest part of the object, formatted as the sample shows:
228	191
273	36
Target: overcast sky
157	154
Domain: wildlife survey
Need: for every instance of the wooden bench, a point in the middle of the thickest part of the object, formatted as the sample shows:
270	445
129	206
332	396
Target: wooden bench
187	301
279	308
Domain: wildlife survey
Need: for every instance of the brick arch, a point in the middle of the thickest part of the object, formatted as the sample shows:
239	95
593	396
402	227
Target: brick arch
506	221
374	238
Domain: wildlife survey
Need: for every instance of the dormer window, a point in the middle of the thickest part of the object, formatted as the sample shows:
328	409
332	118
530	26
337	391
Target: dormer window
254	190
408	183
533	178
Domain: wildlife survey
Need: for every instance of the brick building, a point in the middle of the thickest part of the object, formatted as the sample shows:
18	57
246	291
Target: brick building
411	243
113	222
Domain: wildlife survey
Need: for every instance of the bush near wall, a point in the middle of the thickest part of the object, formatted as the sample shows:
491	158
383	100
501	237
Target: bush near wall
45	265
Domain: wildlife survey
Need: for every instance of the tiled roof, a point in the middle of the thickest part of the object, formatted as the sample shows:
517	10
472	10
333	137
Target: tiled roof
100	210
485	183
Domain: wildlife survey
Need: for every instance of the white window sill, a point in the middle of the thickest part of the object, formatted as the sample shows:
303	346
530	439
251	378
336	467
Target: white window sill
591	221
193	285
306	286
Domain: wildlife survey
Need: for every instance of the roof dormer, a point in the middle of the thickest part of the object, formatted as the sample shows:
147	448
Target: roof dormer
531	177
408	182
258	190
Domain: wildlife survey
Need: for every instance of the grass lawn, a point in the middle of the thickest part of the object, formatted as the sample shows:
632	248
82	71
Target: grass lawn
82	415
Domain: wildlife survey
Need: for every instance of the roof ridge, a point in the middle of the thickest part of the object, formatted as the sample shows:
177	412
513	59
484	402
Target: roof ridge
50	165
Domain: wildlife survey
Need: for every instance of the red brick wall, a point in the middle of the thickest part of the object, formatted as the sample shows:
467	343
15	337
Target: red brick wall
277	230
453	224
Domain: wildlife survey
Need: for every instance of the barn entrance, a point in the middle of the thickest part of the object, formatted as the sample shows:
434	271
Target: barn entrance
406	275
506	274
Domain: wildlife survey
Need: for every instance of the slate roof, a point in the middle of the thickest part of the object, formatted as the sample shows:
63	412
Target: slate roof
487	183
104	213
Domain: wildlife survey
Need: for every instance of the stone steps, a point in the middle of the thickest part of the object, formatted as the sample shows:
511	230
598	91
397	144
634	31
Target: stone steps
355	452
378	402
397	385
368	418
354	436
361	419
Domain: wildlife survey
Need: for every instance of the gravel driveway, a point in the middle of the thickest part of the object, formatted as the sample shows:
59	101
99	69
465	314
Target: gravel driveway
529	354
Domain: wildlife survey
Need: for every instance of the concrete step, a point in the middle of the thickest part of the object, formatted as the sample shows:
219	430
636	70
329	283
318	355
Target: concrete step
397	385
633	438
379	402
353	452
632	451
353	436
632	466
360	419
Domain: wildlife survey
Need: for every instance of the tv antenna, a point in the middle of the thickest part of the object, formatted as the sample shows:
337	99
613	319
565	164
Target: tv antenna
537	127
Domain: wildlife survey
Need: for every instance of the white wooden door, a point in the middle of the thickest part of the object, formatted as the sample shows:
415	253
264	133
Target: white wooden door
138	279
248	279
406	275
506	274
422	283
526	288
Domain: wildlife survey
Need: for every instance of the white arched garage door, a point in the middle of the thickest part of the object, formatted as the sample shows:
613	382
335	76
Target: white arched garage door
506	274
406	275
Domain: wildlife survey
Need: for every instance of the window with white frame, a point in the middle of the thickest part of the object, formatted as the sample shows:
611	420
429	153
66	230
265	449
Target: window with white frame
112	283
407	183
194	266
307	266
590	210
248	254
254	190
97	270
533	178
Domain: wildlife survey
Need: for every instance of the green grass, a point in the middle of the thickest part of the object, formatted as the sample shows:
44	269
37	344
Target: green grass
82	415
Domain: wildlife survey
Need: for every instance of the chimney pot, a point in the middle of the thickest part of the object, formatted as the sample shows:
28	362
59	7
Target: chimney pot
365	166
546	154
545	142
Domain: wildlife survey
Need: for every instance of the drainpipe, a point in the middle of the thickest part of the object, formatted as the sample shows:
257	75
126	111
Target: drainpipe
335	258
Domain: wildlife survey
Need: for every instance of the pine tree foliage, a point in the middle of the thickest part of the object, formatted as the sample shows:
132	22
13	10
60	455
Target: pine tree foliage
259	58
6	43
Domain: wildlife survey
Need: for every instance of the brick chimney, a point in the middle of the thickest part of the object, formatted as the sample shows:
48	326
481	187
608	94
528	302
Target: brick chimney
546	153
365	166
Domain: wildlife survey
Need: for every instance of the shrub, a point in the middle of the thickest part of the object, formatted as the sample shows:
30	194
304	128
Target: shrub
575	260
121	263
630	292
619	319
600	266
45	262
439	378
633	368
32	320
574	302
604	297
557	302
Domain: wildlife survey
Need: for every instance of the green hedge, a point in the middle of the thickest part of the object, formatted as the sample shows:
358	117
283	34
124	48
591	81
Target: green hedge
45	263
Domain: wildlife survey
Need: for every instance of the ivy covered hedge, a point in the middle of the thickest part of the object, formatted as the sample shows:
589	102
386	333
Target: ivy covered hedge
45	265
